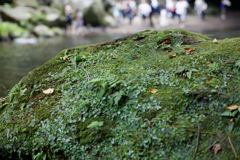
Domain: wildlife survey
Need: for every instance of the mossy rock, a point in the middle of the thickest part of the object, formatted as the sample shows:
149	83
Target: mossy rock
127	120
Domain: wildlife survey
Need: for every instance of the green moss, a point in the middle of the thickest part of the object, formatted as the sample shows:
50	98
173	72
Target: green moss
190	93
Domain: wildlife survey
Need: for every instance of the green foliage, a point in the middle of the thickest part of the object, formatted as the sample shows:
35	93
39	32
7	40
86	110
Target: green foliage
11	29
109	81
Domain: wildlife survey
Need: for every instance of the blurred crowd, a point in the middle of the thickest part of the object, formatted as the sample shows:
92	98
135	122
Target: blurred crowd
151	13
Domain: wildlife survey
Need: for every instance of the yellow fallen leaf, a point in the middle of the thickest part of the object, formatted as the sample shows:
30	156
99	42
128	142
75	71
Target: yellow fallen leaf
153	90
48	91
65	58
59	94
215	41
233	107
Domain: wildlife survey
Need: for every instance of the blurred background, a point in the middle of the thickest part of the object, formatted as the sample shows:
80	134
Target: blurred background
34	31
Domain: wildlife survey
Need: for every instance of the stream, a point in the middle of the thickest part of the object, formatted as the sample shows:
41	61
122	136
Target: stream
16	60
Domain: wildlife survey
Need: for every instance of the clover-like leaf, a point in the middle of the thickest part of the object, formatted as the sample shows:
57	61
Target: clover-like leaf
95	124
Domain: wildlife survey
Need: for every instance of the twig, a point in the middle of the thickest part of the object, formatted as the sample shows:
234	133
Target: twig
194	155
200	131
232	147
211	145
222	140
82	68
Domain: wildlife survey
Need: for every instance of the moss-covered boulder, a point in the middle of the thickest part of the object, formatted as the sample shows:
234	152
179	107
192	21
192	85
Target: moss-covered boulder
144	96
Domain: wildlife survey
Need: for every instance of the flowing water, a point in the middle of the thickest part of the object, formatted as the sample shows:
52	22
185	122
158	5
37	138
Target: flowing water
16	60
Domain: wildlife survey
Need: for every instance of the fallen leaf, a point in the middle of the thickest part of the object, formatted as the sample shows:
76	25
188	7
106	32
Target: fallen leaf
169	49
149	123
65	58
174	55
189	49
134	56
141	37
111	92
12	120
233	107
215	41
190	53
208	64
153	90
217	148
166	42
48	91
59	94
184	75
232	119
112	56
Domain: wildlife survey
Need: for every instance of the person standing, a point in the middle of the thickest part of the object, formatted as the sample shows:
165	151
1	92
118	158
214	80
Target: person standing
224	4
144	10
155	5
117	13
68	19
170	6
181	11
79	23
200	7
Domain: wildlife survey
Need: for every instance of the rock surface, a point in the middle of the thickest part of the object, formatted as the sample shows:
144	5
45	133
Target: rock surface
28	3
138	97
16	14
43	31
93	10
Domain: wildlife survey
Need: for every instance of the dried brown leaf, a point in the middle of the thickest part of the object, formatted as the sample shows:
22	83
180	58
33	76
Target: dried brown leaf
12	120
217	148
149	123
189	49
48	91
153	90
215	41
166	42
208	64
184	75
233	107
232	119
65	58
139	38
174	55
112	56
134	56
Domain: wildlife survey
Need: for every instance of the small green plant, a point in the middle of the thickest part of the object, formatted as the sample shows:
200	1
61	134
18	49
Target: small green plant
188	71
107	82
95	124
213	66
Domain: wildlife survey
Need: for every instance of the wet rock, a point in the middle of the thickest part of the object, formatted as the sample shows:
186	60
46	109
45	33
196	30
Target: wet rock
17	14
93	10
28	3
52	15
43	31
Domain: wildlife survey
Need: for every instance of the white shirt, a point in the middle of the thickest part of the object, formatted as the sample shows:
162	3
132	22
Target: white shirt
181	7
145	9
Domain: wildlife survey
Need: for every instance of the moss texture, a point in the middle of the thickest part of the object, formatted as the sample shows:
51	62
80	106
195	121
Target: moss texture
193	90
